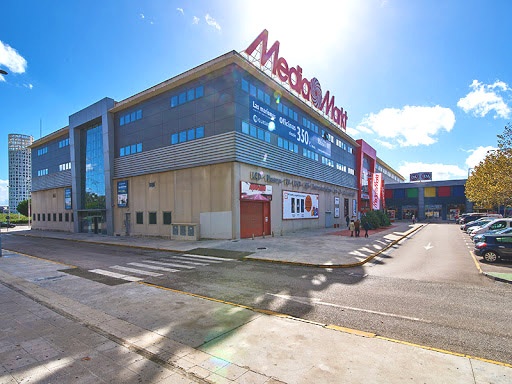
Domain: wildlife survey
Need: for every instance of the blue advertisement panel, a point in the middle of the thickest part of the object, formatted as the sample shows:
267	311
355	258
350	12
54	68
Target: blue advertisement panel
265	117
67	198
122	193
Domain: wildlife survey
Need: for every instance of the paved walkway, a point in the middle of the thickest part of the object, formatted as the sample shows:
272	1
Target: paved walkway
60	328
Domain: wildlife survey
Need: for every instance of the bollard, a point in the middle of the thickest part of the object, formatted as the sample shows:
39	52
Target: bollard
272	233
263	235
253	236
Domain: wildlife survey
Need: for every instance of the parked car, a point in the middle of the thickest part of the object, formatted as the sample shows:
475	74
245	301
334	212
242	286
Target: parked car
3	224
494	247
478	222
476	215
481	236
495	224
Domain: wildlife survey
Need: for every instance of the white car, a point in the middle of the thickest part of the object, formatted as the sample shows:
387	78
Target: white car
493	225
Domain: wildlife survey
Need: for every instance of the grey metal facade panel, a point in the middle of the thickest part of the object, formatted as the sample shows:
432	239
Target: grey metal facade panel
52	159
53	180
212	150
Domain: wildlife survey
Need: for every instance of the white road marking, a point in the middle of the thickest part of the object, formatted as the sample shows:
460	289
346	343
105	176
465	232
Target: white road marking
318	301
170	264
113	274
185	261
207	257
154	267
139	271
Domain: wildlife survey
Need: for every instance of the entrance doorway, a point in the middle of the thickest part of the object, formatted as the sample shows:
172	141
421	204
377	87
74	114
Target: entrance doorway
254	218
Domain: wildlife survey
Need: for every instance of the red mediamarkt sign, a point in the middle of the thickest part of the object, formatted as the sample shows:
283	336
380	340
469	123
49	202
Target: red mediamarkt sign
309	90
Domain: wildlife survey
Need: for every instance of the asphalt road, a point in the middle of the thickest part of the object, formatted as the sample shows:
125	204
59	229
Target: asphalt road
426	291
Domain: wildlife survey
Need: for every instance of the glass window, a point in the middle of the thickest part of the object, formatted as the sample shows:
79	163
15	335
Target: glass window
267	136
133	116
280	142
139	114
199	91
252	90
167	216
139	147
191	134
139	217
280	107
285	144
267	98
295	148
54	217
183	136
183	98
260	95
174	101
190	94
121	120
93	175
261	134
126	119
66	216
133	148
199	132
44	217
245	85
252	130
285	110
245	127
152	217
174	138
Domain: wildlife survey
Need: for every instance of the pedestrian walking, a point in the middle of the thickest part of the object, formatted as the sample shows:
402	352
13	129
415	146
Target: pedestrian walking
357	227
366	226
351	227
413	219
347	219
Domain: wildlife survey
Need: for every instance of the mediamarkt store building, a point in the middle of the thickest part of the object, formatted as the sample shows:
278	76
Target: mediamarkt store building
242	145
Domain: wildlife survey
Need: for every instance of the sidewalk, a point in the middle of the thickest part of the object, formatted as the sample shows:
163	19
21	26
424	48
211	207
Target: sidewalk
59	328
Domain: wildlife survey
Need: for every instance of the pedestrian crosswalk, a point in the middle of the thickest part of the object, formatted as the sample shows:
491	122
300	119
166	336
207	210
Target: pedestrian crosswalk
137	271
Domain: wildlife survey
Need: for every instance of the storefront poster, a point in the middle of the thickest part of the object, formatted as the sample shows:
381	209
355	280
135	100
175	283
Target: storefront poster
298	205
253	191
67	199
122	194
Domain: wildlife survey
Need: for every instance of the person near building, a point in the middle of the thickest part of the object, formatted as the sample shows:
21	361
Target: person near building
347	219
351	228
357	227
366	226
413	219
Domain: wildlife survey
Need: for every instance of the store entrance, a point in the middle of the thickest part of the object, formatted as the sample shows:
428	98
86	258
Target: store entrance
93	222
254	218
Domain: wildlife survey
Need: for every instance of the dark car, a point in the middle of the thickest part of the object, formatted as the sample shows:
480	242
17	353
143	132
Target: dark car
495	247
3	224
481	237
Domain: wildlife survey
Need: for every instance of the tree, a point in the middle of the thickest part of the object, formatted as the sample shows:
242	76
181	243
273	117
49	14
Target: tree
23	207
489	184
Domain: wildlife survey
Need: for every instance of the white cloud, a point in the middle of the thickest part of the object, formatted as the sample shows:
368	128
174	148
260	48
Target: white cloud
195	20
385	144
439	171
180	10
142	16
29	86
211	22
410	126
477	155
485	98
4	192
11	59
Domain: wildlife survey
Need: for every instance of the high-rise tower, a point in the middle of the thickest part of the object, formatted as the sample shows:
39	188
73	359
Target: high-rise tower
20	169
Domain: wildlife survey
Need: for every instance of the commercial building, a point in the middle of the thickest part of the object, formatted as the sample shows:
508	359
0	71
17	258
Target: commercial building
221	151
20	169
428	200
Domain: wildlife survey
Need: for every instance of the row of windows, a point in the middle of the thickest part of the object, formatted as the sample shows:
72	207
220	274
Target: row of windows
152	218
288	145
43	216
310	154
309	124
42	172
130	117
261	134
327	161
65	166
186	96
64	143
42	151
187	135
130	149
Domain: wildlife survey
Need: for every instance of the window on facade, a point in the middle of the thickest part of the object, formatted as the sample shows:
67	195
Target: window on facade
130	117
139	217
66	216
42	151
49	217
65	166
130	149
64	143
167	218
44	217
188	135
152	217
42	172
34	216
38	217
186	96
60	216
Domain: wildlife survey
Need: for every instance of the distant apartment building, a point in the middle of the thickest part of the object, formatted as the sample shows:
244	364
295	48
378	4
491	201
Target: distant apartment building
20	169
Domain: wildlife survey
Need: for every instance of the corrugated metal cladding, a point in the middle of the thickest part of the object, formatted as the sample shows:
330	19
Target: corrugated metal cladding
227	147
52	180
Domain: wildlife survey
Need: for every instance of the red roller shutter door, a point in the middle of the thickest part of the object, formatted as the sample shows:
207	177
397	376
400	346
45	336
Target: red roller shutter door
251	219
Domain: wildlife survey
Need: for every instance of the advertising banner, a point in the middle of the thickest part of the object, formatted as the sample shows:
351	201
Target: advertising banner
297	205
267	118
253	191
122	194
67	199
376	191
420	176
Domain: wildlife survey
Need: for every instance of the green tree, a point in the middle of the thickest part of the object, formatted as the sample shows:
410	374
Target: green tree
489	184
23	207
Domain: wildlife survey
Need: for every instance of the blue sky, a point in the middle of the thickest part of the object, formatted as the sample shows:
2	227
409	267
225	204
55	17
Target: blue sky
426	83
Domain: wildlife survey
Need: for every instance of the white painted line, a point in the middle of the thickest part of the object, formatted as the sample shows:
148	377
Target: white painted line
139	271
170	264
154	267
207	257
116	275
184	260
